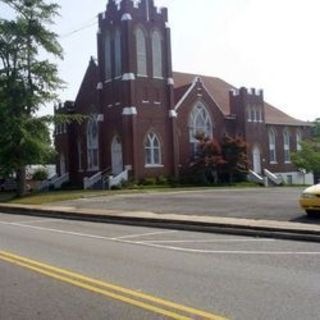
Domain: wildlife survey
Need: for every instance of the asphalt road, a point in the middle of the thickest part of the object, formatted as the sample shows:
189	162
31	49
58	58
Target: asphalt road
231	276
252	203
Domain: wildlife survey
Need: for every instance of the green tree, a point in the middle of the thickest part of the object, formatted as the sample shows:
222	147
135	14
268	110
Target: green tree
27	81
308	158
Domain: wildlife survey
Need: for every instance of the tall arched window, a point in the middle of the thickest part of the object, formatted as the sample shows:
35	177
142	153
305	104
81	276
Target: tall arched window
286	145
141	52
107	56
199	123
298	139
92	144
157	54
152	149
117	53
272	146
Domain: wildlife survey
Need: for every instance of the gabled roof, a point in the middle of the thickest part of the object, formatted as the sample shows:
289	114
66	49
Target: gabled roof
88	89
219	90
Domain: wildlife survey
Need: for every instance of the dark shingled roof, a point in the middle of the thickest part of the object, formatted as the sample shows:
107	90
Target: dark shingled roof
219	90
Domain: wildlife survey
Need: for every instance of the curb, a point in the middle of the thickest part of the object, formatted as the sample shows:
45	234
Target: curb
177	224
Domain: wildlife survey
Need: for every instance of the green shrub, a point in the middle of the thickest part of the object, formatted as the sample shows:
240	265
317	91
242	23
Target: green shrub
161	180
148	182
40	175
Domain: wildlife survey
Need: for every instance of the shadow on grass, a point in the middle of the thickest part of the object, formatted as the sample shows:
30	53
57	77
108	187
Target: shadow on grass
6	196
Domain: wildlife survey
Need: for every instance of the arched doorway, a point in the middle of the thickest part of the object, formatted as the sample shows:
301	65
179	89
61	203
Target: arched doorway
116	156
256	159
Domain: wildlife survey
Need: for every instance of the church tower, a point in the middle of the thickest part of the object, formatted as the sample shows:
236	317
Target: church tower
136	89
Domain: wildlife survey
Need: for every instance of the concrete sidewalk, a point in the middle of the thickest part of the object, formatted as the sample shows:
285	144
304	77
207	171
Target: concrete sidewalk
258	228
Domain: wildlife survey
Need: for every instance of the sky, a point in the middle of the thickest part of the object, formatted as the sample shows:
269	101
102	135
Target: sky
268	44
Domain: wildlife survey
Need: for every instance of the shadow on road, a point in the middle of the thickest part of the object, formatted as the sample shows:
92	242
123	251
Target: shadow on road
306	219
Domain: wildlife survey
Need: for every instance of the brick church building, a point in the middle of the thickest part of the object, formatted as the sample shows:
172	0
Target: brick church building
143	116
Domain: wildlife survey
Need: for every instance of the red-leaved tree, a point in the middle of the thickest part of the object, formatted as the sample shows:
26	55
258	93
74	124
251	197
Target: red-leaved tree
234	154
207	160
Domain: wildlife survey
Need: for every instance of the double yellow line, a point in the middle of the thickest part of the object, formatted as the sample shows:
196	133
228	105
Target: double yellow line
144	301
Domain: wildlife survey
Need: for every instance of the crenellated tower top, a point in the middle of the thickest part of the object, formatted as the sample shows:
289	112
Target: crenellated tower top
121	10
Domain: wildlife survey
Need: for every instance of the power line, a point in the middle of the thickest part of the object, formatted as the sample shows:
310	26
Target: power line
80	28
68	34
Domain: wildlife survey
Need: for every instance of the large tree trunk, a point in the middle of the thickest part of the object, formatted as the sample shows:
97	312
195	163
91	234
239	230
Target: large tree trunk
21	182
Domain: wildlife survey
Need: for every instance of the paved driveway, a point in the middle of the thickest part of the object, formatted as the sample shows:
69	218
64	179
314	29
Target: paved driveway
255	203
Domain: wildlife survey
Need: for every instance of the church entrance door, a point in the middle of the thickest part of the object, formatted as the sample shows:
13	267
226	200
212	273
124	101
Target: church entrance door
256	155
116	156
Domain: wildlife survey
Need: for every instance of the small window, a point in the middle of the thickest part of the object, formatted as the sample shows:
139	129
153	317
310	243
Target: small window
261	115
152	150
253	114
272	146
299	139
258	114
286	146
249	114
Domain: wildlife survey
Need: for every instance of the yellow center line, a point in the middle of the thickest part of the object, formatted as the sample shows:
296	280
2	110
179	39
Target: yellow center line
39	267
139	304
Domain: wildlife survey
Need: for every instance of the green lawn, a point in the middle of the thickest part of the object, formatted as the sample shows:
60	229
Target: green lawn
64	195
55	196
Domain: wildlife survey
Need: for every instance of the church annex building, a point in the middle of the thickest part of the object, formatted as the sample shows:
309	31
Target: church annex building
143	116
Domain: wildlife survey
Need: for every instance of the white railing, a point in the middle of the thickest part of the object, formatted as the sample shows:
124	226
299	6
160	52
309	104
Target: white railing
253	176
44	185
89	182
59	181
118	180
274	178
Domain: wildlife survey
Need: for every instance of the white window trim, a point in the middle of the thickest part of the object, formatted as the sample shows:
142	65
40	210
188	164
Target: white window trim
151	166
